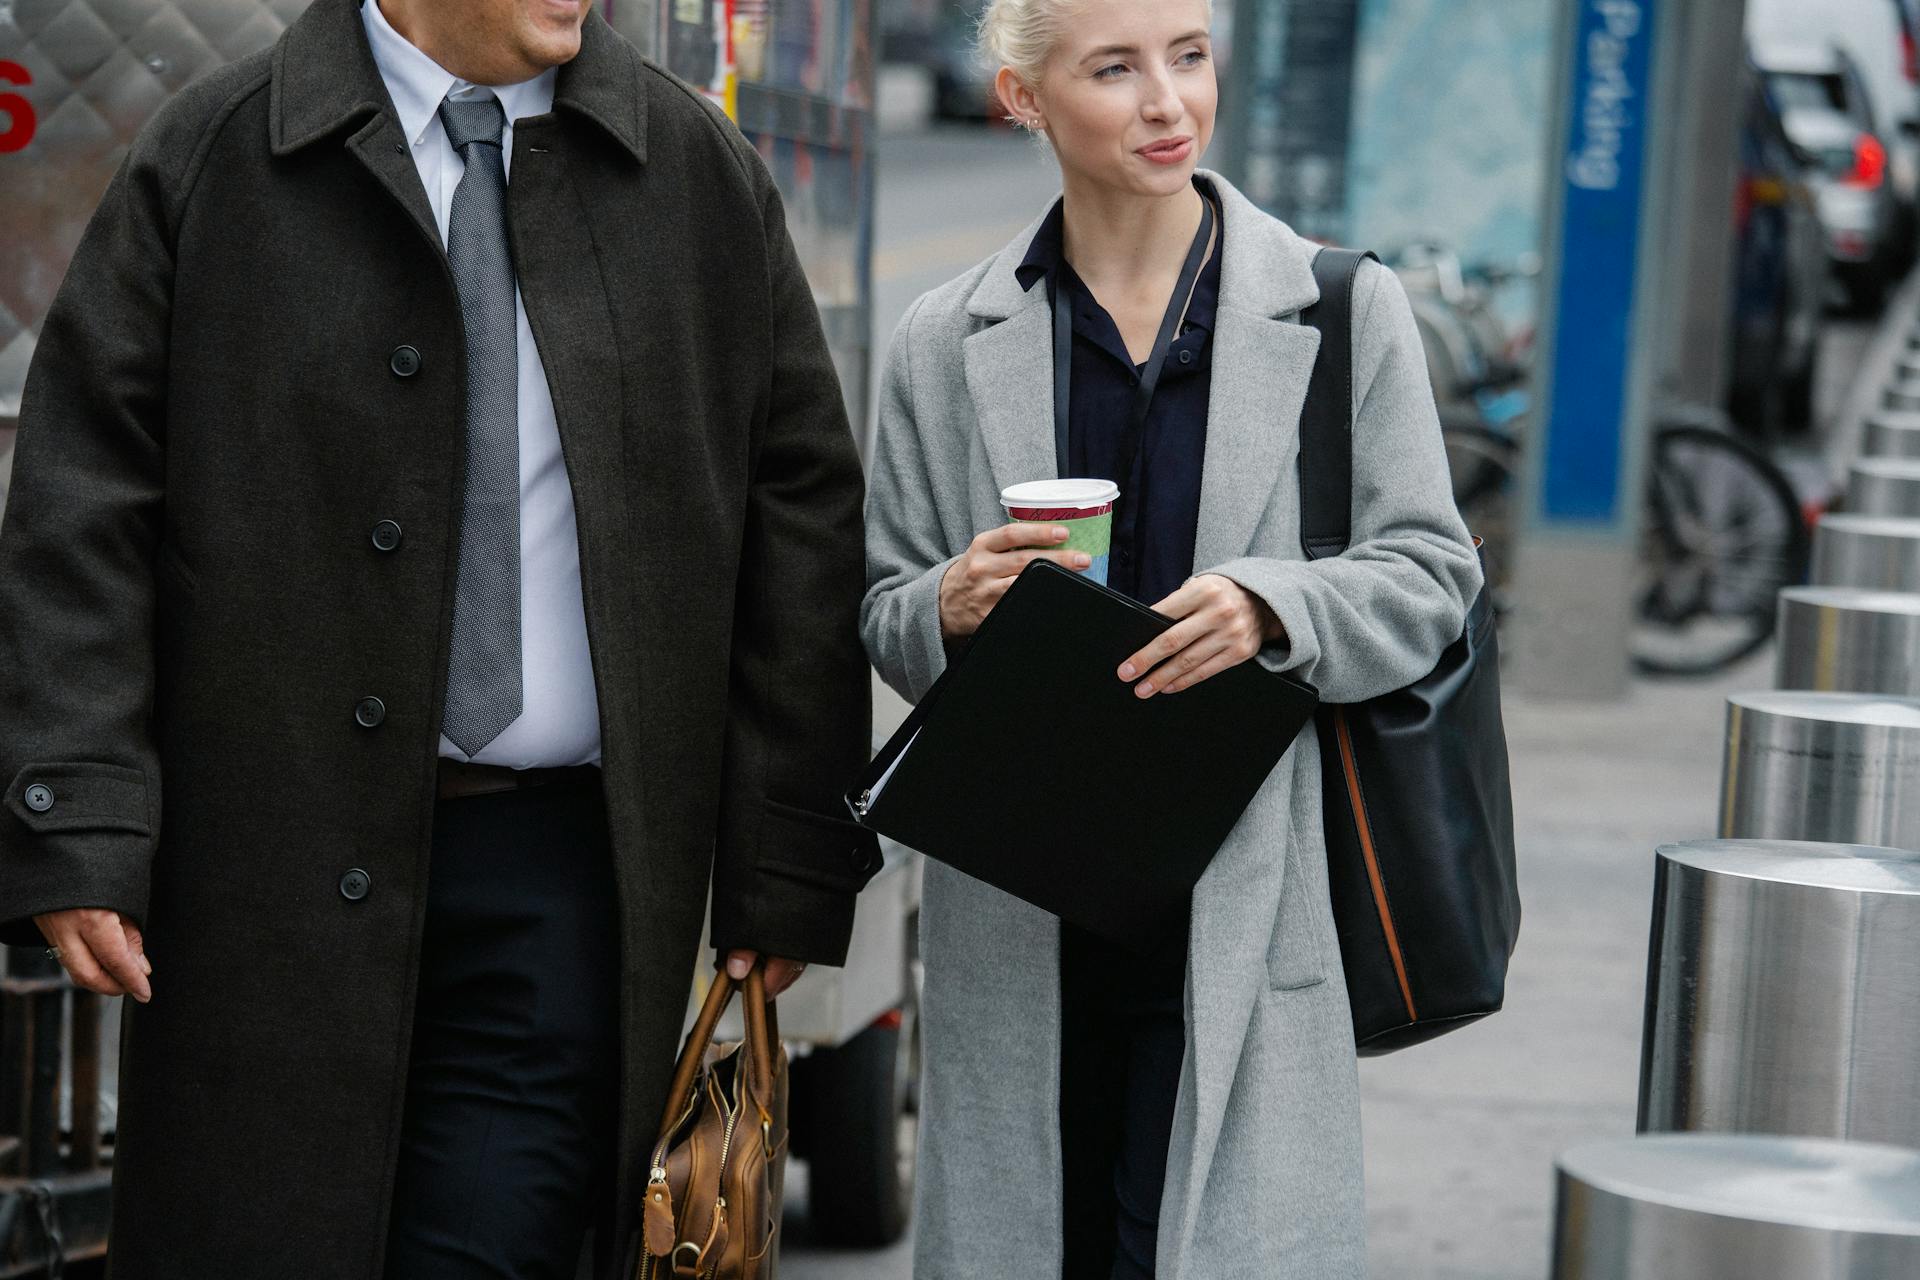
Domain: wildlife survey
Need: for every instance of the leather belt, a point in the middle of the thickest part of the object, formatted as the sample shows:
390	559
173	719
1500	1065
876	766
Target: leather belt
459	781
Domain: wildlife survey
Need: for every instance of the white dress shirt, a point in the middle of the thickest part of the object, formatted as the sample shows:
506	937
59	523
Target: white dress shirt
559	723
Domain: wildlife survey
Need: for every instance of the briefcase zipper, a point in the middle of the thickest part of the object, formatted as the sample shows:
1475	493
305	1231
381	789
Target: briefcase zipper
726	1143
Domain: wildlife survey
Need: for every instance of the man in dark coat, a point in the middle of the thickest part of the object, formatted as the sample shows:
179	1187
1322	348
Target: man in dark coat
386	990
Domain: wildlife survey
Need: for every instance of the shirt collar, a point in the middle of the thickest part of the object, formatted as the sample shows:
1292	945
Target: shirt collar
418	84
1048	252
1047	258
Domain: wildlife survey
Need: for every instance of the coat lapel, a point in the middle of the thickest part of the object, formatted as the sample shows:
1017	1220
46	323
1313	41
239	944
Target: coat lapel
1262	362
1010	370
1010	376
324	79
1261	368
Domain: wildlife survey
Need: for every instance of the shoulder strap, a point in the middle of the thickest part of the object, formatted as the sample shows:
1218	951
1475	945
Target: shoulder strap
1326	420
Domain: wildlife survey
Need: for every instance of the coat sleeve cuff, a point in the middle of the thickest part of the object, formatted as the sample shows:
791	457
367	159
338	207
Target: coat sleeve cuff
798	899
73	835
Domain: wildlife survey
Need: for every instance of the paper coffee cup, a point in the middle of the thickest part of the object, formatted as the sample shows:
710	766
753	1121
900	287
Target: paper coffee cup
1083	507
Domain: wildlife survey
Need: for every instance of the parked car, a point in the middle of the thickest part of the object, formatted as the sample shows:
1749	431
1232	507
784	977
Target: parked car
1880	37
1780	277
1829	117
962	82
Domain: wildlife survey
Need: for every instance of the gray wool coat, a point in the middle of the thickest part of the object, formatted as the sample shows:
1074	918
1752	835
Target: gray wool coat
1264	1176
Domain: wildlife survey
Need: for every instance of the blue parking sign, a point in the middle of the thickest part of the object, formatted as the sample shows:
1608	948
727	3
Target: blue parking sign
1602	175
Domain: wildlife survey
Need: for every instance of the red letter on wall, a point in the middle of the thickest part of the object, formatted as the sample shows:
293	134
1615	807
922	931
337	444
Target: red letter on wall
17	110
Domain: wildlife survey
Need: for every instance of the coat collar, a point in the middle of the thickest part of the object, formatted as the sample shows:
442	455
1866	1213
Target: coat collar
1261	366
324	78
1268	269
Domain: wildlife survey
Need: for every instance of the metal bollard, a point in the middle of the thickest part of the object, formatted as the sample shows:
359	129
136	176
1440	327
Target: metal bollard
1903	395
1726	1207
1884	486
1781	991
1843	767
1880	553
1844	639
1890	434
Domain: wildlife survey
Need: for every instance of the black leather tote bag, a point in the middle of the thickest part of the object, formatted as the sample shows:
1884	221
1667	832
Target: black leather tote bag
1419	809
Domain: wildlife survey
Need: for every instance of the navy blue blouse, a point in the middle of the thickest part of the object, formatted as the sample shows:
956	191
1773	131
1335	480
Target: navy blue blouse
1159	510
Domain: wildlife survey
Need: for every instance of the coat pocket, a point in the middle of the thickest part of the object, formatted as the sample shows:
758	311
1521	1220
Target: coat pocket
1296	955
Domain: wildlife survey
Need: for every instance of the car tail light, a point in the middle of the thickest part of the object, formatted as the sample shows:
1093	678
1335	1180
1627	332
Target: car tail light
1869	162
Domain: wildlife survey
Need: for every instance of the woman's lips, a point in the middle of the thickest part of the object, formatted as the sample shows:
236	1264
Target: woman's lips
1172	151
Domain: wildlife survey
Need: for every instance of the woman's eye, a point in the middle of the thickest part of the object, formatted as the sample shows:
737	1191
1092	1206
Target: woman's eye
1109	72
1193	57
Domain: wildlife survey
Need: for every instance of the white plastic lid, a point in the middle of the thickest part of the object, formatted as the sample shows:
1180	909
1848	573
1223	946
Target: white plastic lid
1060	493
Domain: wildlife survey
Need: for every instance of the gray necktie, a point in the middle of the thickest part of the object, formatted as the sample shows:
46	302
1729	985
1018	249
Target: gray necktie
484	692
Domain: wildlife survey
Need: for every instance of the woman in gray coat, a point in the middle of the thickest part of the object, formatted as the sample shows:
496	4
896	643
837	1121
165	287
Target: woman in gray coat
1088	1113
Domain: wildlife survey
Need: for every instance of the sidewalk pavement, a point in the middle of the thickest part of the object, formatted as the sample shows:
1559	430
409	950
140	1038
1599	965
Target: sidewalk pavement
1461	1133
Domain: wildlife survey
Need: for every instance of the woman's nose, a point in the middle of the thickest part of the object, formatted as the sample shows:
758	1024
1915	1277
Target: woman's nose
1159	101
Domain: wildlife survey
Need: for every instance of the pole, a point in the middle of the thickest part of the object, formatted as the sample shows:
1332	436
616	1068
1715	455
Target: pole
1618	94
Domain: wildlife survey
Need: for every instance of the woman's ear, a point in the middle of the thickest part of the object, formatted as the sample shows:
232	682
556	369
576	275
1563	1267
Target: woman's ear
1019	100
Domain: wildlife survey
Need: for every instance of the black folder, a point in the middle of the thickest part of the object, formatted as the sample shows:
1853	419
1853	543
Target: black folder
1032	766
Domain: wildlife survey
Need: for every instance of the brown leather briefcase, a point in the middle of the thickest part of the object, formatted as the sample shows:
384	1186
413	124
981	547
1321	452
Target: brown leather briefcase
712	1200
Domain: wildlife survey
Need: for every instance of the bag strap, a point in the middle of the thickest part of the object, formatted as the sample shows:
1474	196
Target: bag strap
694	1053
763	1035
1326	419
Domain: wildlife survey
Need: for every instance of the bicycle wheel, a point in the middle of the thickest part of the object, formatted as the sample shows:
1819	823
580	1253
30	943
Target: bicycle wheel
1722	534
1483	463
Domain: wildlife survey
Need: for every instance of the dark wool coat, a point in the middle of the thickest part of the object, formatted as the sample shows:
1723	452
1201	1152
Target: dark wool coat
191	607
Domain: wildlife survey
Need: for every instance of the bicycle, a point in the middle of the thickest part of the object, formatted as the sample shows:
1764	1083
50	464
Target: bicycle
1721	533
1722	529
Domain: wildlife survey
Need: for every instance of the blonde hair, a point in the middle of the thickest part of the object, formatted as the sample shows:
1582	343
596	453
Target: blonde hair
1021	34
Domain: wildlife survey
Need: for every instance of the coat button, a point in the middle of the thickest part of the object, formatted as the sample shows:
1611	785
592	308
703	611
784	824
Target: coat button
863	861
354	885
369	713
386	536
1186	357
405	362
39	797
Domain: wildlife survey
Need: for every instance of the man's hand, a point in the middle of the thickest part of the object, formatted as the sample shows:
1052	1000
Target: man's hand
781	973
100	951
1221	624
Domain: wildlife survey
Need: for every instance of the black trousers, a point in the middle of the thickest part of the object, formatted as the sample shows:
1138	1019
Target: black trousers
1123	1040
507	1141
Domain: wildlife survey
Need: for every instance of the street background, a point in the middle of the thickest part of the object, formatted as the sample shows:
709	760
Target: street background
1763	288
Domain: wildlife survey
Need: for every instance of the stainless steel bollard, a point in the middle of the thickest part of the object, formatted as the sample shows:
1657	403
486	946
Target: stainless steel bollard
1724	1207
1843	767
1891	434
1884	487
1783	991
1881	553
1902	395
1847	639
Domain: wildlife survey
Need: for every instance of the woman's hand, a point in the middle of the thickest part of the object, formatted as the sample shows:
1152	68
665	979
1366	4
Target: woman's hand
1220	624
975	582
